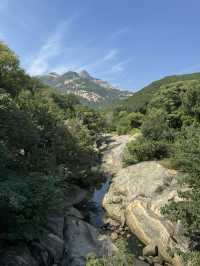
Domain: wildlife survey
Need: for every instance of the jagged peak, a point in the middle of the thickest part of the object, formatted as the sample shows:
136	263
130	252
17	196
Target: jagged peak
84	74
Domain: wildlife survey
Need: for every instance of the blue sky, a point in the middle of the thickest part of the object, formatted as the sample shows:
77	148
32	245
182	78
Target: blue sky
129	43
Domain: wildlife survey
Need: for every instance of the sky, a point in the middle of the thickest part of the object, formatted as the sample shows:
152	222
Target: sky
129	43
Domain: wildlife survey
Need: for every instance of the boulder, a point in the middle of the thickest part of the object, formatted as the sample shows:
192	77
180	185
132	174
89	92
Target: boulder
73	195
150	250
136	197
82	239
140	263
55	224
54	245
17	255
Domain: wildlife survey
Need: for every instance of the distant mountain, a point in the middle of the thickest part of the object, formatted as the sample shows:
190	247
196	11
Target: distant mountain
91	91
139	100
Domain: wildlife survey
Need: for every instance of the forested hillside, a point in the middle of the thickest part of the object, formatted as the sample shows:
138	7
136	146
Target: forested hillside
46	140
140	99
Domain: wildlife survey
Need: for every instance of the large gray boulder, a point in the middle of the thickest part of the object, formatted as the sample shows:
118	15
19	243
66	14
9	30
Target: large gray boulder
82	239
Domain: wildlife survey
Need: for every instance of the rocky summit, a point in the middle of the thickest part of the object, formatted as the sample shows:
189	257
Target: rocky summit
91	91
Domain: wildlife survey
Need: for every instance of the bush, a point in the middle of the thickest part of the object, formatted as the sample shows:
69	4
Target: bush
25	202
144	150
186	155
155	126
127	122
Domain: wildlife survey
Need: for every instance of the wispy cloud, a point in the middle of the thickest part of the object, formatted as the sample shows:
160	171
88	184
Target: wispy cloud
50	49
119	33
120	66
110	55
100	62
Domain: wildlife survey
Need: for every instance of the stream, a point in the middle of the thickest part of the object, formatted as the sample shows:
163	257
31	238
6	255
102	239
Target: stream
97	215
93	210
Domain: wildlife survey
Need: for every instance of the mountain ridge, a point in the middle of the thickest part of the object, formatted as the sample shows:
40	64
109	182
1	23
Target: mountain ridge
91	91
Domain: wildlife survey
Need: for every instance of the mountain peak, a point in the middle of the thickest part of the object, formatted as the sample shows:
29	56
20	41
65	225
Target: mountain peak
91	91
53	74
85	75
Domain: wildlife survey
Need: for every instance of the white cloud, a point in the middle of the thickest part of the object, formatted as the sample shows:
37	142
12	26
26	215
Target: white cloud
110	55
50	49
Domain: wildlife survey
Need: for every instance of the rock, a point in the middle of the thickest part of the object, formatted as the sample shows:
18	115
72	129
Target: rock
158	260
137	180
81	240
112	158
150	260
112	222
74	213
54	245
150	250
18	255
140	263
55	224
73	195
141	258
136	197
41	255
114	236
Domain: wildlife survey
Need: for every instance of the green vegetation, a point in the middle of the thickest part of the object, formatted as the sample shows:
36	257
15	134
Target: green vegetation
123	257
144	150
46	140
140	100
171	129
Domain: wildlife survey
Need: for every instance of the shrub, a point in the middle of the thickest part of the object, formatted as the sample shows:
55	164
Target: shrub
144	150
25	202
186	155
155	126
127	122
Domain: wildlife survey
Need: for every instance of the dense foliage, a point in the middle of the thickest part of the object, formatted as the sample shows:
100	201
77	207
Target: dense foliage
171	128
46	139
